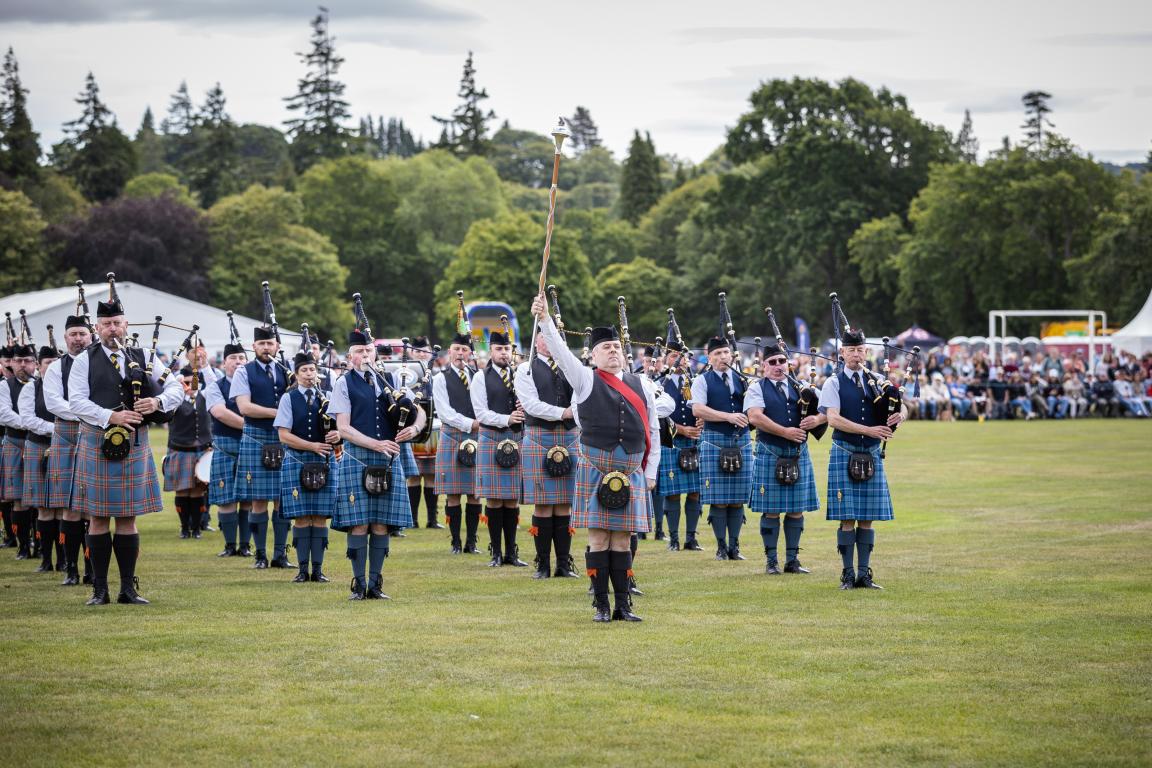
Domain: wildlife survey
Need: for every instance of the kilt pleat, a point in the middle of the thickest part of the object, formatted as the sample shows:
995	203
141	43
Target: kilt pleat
408	461
539	486
124	488
848	500
769	496
11	468
180	470
62	463
295	500
222	478
588	512
492	480
673	481
34	491
452	478
253	481
355	506
721	487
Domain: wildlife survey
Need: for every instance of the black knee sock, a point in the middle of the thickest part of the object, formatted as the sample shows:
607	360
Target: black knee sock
672	515
127	548
195	507
243	524
73	538
6	510
100	549
49	530
414	504
27	528
181	503
452	515
562	538
472	521
599	570
620	568
430	501
495	517
511	518
542	534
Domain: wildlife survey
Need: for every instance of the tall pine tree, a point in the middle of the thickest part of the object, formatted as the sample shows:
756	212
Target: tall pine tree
465	132
318	132
1036	111
181	113
19	144
967	145
585	134
211	166
640	185
96	153
149	146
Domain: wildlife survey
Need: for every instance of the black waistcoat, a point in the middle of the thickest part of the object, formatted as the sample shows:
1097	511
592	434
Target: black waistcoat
553	389
608	420
458	396
106	388
191	425
500	397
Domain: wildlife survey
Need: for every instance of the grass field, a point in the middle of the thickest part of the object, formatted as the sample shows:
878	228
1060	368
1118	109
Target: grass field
1015	629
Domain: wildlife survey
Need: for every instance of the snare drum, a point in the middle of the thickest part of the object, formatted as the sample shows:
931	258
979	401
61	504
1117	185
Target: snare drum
427	449
204	467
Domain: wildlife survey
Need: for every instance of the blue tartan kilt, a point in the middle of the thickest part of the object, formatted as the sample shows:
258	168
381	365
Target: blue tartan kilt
721	487
179	469
408	461
355	506
769	496
539	486
295	501
253	481
222	478
588	512
673	481
451	478
62	463
11	468
35	483
848	500
492	480
126	488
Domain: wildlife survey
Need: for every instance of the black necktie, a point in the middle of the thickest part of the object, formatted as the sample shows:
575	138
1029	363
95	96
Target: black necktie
856	379
308	397
115	358
780	389
463	377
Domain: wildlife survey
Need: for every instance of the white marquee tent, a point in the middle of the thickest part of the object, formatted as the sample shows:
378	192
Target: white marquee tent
1136	337
141	305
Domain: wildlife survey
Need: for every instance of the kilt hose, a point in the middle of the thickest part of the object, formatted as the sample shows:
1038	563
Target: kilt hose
297	501
125	488
539	486
34	492
721	487
11	468
222	481
452	478
588	512
848	500
254	482
62	463
408	464
492	480
179	469
673	481
355	506
769	496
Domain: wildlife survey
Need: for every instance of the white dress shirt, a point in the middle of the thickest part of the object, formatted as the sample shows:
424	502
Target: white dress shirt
27	406
529	396
54	391
479	395
8	417
444	410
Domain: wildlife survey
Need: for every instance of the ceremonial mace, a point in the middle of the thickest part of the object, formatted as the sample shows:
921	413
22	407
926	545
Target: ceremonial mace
559	133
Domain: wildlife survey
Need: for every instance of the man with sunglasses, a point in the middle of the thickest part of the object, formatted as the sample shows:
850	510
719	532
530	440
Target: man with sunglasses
782	477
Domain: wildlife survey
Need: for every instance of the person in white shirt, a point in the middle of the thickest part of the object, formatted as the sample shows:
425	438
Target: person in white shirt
38	421
456	452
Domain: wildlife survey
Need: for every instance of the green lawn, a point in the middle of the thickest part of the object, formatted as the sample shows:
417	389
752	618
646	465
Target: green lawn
1015	629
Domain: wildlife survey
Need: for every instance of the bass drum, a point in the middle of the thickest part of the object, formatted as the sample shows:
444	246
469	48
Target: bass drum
426	449
204	467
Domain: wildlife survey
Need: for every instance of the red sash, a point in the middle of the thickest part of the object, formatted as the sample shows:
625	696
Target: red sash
636	402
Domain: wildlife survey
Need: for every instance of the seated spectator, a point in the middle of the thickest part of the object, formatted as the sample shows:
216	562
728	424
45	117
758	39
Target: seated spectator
999	401
1035	387
935	402
1053	394
1127	395
1021	403
960	398
1076	394
1103	395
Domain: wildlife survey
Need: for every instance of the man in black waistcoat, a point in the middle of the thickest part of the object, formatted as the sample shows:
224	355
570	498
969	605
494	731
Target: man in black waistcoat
23	364
189	437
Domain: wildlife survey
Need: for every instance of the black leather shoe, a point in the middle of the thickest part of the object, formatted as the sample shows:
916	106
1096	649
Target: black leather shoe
44	567
673	543
457	549
603	611
641	536
434	525
495	562
197	535
721	552
660	535
184	534
543	569
772	568
99	596
244	551
734	553
72	579
129	594
23	555
300	578
623	612
319	577
864	580
692	545
229	551
376	590
793	566
261	560
87	580
60	567
281	562
396	532
208	529
632	588
565	570
358	589
847	579
470	548
514	559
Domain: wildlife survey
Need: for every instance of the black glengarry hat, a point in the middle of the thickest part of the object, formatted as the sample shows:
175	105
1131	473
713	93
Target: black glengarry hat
48	353
75	321
24	350
717	342
498	338
260	333
463	339
302	358
602	334
233	349
421	342
853	337
357	338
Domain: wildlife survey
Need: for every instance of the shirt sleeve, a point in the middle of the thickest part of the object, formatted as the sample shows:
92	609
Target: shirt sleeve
284	412
54	393
213	396
79	396
444	410
530	397
339	402
240	383
578	375
753	397
700	390
8	417
652	469
479	394
27	405
173	392
830	394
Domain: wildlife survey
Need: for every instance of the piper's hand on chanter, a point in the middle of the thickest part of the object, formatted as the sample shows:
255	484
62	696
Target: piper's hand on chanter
406	434
540	307
516	417
125	419
880	433
809	422
567	413
332	437
895	419
475	425
146	405
389	447
651	485
321	449
737	419
795	434
689	432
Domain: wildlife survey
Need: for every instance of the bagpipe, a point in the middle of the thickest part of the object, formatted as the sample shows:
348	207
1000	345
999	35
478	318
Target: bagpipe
398	402
270	321
809	395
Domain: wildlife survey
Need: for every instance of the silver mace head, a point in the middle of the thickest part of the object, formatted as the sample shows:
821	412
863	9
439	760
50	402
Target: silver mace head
560	132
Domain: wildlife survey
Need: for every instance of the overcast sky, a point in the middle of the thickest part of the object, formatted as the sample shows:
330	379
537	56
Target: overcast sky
679	69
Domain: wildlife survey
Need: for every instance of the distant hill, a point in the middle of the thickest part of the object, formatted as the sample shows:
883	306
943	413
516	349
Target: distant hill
1137	168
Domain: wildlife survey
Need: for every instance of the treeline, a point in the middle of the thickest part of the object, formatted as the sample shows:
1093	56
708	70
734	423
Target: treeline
819	187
